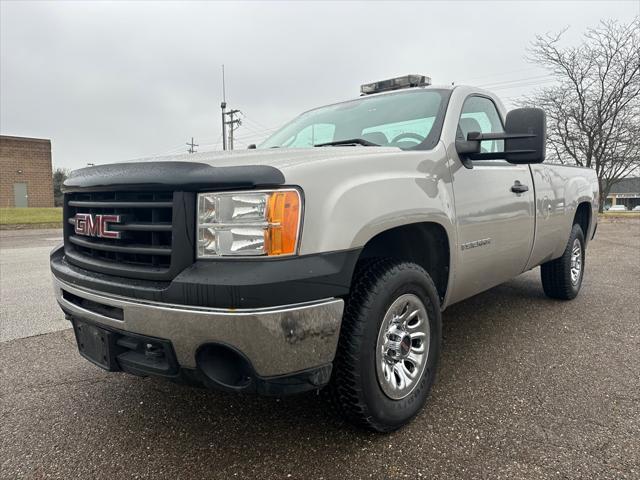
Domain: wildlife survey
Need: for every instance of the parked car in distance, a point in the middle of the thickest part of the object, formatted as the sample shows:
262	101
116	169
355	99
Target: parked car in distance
636	208
617	208
325	256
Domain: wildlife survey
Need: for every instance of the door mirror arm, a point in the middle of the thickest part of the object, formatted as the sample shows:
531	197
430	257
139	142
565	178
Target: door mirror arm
468	148
520	148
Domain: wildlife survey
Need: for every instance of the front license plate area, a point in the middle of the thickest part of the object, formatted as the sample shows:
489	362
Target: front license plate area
96	345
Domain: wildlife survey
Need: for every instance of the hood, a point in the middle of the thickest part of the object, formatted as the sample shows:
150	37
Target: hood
280	158
230	169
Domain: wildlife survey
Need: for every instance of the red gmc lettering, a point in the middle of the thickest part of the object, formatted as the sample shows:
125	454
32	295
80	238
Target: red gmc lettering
96	225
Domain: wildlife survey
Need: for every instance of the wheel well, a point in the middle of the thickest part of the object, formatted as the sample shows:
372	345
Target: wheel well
583	217
425	244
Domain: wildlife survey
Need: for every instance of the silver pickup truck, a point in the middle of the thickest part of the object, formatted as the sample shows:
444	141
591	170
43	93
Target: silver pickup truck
325	256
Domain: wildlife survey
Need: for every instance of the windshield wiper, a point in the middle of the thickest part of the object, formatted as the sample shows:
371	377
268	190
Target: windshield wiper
351	141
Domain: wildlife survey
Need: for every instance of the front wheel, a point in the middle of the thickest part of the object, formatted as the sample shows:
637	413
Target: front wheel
389	345
562	277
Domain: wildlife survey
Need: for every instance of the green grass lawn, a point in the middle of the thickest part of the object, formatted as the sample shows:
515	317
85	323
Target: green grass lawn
17	216
621	214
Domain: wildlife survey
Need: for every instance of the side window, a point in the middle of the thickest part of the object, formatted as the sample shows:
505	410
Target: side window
479	114
312	135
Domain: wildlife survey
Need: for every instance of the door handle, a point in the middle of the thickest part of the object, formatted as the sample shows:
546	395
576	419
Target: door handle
519	188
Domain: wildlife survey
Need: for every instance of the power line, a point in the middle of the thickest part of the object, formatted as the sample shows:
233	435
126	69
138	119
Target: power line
249	128
516	80
169	151
257	126
256	122
260	130
522	85
252	131
253	136
214	144
500	74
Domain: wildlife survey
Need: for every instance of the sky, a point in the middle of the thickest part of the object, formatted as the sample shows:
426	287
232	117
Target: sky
112	81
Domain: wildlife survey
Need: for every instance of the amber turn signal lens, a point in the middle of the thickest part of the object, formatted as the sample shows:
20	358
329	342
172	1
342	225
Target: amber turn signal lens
283	214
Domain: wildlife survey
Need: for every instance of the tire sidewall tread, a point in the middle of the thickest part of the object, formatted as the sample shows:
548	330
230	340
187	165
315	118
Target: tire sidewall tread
355	388
556	274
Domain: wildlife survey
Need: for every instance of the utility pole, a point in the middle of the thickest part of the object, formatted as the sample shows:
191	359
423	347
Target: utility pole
233	123
223	106
192	146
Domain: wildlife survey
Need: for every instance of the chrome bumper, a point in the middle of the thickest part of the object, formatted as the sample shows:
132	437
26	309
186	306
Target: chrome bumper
277	341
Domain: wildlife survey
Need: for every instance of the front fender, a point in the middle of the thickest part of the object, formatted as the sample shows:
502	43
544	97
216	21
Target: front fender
348	203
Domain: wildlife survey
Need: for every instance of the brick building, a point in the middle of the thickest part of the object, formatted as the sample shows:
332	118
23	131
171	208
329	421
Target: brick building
25	172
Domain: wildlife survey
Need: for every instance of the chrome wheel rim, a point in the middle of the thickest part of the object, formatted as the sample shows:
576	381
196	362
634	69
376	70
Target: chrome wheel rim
402	348
576	261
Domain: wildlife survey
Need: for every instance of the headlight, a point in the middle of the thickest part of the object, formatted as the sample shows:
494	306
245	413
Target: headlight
248	223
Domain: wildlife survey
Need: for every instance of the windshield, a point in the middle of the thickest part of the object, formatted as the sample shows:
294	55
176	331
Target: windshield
406	119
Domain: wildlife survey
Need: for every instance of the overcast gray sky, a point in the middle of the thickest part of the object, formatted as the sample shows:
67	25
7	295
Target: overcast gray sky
115	81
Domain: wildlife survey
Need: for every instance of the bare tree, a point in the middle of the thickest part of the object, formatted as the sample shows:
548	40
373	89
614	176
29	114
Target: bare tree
593	111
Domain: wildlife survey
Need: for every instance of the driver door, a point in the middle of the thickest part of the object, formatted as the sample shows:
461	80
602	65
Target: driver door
495	226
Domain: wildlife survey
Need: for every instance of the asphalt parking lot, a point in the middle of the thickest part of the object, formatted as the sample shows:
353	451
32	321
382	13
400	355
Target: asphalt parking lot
28	308
528	388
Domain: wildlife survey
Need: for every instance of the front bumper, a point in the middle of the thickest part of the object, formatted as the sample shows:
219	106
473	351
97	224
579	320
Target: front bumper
276	341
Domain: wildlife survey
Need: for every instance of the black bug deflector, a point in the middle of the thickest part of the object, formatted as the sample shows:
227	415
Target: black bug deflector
171	175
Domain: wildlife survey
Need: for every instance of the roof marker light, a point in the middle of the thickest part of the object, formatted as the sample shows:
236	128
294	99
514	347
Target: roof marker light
406	81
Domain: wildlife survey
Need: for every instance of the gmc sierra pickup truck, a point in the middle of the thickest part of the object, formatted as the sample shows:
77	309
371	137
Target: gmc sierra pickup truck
325	256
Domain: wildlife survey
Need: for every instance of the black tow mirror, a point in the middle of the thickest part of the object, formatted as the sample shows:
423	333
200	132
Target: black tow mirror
525	139
529	148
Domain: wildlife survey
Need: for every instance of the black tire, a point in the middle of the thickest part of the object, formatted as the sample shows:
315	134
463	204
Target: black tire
556	276
354	388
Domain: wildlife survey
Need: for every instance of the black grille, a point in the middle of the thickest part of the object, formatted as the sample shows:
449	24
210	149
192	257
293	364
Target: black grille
147	244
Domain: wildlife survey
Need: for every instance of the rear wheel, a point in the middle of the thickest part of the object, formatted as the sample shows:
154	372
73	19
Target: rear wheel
562	277
389	345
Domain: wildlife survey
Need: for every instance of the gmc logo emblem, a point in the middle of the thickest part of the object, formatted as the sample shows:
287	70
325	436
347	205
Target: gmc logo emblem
96	225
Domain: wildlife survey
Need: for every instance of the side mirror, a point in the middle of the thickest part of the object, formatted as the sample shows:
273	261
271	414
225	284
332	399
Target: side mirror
532	147
525	139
